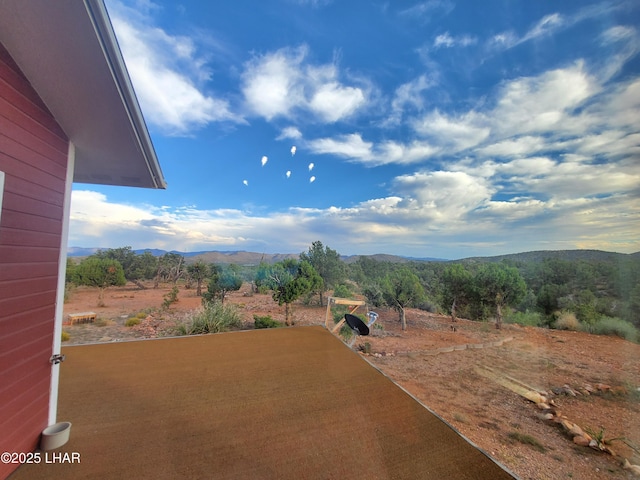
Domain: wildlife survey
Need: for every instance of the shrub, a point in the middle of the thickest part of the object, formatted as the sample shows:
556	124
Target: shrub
265	322
528	319
171	297
567	321
527	440
213	318
338	312
131	322
615	326
342	291
65	336
428	306
103	322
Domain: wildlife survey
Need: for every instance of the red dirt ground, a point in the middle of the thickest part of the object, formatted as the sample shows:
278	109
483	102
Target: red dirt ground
439	367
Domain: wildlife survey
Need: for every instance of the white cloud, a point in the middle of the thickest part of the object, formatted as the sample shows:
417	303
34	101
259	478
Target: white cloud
411	93
333	102
458	133
354	148
545	26
624	44
283	83
289	132
525	145
447	41
443	195
574	179
166	71
350	146
271	83
426	10
543	103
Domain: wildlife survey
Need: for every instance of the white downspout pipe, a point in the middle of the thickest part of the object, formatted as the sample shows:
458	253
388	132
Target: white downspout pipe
62	268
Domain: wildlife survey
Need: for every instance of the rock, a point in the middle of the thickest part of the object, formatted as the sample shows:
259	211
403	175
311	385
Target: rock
580	440
576	430
629	466
534	397
567	425
545	416
559	418
564	390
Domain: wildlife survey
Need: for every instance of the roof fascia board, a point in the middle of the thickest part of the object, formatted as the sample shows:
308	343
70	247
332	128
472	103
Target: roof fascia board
104	32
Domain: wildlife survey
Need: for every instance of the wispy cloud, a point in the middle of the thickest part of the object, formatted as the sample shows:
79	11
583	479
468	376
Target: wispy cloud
426	10
353	148
168	73
553	23
445	40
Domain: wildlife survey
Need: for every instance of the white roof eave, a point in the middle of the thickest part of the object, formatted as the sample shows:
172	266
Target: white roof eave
68	51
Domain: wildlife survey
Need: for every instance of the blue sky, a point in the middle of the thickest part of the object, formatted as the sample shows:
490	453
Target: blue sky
430	129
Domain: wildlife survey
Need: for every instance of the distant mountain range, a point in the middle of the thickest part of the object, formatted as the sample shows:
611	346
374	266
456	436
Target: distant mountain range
254	258
240	257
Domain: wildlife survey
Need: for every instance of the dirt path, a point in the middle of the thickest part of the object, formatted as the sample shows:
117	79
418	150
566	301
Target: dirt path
596	379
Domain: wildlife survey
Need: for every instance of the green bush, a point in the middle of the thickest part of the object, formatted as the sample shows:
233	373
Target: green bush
213	318
338	312
265	322
131	322
615	327
342	291
527	319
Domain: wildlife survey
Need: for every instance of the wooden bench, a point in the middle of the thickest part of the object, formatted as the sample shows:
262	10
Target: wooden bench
82	317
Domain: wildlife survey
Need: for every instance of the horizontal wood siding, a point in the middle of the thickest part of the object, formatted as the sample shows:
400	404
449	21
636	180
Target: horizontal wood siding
33	156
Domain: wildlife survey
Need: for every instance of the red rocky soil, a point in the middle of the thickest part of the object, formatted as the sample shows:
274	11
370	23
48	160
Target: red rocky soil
470	374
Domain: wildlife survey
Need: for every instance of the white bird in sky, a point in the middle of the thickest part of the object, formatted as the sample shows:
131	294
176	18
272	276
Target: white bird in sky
311	166
312	179
265	159
288	173
245	182
293	150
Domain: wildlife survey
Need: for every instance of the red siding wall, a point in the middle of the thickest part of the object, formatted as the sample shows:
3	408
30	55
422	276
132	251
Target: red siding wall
33	156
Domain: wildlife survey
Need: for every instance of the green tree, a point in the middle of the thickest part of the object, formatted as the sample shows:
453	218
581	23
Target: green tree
135	267
288	280
499	285
222	281
198	272
458	283
328	265
100	272
70	271
402	289
143	267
